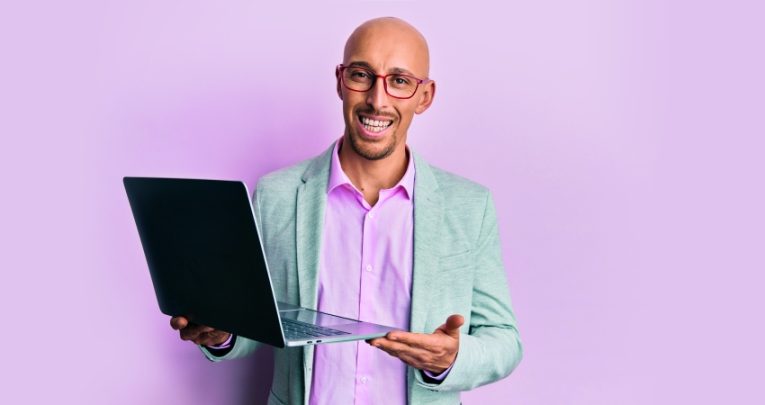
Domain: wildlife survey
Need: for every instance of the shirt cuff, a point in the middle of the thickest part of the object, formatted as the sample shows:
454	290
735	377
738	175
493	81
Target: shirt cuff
226	344
438	377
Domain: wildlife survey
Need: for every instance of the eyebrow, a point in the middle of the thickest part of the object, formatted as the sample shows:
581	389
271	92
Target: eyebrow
395	70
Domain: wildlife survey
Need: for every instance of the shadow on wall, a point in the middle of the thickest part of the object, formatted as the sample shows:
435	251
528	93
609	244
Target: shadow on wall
253	376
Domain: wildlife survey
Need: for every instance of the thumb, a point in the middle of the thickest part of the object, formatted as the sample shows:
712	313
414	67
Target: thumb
452	325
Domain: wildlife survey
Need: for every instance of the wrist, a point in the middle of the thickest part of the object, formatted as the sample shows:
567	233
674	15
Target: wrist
224	343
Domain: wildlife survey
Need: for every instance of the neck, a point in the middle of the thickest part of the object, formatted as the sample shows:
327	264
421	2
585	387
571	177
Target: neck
371	176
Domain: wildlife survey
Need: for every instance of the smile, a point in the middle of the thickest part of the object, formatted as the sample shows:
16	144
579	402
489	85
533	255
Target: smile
374	126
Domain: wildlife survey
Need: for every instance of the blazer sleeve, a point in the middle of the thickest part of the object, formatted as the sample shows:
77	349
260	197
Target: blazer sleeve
492	347
242	347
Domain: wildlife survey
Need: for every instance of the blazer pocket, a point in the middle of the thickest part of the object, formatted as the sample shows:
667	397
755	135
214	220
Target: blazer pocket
457	260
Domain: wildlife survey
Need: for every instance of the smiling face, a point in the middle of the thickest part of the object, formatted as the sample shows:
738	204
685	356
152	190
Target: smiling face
376	124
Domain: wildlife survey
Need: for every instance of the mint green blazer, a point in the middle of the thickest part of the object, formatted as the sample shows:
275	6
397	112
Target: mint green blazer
457	270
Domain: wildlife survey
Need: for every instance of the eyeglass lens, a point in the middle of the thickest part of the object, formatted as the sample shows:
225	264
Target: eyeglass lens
361	79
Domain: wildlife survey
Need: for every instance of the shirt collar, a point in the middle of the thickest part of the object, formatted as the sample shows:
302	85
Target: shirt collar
337	176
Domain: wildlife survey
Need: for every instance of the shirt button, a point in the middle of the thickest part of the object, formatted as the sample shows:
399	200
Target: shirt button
371	215
363	380
369	267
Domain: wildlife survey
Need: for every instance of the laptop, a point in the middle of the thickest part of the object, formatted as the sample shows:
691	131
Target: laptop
207	262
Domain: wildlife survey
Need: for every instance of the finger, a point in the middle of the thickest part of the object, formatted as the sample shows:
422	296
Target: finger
452	325
203	339
213	338
189	333
178	322
389	350
386	345
408	358
397	348
454	321
419	340
414	357
373	341
193	331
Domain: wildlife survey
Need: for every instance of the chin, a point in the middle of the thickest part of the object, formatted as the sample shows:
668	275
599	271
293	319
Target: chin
375	149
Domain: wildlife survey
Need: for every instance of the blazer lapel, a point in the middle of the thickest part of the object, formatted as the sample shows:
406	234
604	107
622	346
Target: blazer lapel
309	221
428	211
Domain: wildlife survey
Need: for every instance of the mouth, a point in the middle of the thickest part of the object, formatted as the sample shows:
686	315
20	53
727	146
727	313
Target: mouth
374	127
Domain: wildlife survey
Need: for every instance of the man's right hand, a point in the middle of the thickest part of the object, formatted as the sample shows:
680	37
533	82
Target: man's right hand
199	334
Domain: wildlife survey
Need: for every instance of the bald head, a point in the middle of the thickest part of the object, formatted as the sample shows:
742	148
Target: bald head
393	41
378	113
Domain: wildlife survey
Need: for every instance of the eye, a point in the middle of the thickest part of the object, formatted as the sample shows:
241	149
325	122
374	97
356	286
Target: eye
401	80
359	74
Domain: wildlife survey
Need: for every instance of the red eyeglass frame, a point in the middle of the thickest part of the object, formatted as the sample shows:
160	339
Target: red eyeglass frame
340	68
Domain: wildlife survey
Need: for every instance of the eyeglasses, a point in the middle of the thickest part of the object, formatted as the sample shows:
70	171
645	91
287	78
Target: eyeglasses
361	79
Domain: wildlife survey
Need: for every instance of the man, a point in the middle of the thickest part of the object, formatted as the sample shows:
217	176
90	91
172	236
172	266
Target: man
369	230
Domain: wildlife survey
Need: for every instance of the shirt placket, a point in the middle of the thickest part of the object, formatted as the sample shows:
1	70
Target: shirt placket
368	282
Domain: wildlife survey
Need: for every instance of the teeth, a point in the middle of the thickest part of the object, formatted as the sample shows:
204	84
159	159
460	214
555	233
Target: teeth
375	123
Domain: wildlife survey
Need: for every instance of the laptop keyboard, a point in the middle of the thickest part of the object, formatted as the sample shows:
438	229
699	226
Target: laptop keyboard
295	330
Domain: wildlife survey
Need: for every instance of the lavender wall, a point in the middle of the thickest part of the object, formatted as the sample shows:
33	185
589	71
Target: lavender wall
622	140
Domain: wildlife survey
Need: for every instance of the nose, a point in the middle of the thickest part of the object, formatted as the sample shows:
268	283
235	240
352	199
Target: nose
376	96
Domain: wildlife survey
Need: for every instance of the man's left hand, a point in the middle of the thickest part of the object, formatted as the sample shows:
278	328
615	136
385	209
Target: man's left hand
433	352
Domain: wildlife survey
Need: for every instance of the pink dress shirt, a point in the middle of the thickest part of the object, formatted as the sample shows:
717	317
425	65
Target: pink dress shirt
365	273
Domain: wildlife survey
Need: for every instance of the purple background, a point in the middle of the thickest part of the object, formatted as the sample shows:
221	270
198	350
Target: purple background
622	141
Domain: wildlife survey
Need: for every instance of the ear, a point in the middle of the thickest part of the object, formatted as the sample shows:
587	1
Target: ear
426	99
339	85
